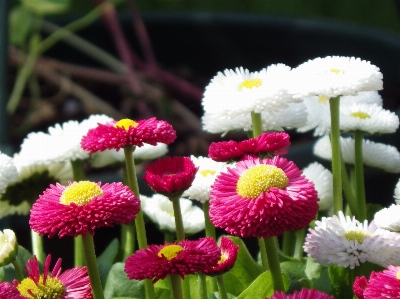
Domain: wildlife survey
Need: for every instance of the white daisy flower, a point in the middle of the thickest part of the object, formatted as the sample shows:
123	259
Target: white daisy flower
366	97
205	177
160	211
62	143
8	172
377	155
293	116
238	92
397	193
388	218
143	153
323	181
346	242
333	76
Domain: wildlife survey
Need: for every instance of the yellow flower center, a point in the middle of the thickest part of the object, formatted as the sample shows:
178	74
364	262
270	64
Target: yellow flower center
356	235
170	251
223	258
250	83
207	172
259	179
126	123
336	71
52	289
322	100
80	193
398	275
361	115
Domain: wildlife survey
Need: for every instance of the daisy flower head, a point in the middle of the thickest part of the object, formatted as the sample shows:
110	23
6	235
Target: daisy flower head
161	212
183	258
376	155
262	198
359	286
304	293
346	242
323	182
317	111
8	247
388	218
171	175
229	252
73	283
333	76
265	145
126	132
363	97
208	170
239	91
397	192
81	207
384	284
9	291
8	172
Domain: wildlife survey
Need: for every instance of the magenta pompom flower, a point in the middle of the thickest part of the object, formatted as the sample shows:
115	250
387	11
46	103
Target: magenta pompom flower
71	284
303	294
266	145
229	252
359	286
82	207
170	175
183	258
9	291
116	135
262	198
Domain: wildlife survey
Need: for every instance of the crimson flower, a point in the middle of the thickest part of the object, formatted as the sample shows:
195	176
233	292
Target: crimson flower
9	291
303	294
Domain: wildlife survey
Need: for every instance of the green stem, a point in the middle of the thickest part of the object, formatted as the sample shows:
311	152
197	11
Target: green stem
274	265
221	287
202	285
176	283
298	250
263	253
348	191
18	270
257	124
336	155
92	268
37	246
128	239
359	169
210	228
289	243
180	232
169	237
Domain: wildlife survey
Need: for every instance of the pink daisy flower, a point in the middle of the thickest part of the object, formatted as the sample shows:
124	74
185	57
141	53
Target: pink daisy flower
116	135
303	294
8	291
229	252
383	285
262	198
170	175
82	207
71	284
359	286
186	257
267	144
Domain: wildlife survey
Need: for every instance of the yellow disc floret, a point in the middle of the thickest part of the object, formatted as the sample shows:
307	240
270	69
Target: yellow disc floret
259	179
170	251
356	235
80	193
223	258
336	71
126	123
361	115
398	275
322	100
207	172
52	289
250	83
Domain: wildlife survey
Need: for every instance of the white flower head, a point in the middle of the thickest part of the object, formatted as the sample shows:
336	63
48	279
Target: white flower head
8	247
238	92
376	155
333	76
160	211
346	242
363	97
388	218
205	177
397	193
323	182
317	112
8	172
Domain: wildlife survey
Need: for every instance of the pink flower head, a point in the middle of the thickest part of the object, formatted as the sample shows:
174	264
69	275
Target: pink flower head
170	175
159	261
267	144
359	286
262	198
383	285
116	135
71	284
229	252
303	294
82	207
9	291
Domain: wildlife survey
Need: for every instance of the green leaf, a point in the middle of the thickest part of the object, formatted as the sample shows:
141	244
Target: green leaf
313	270
105	260
47	7
323	282
216	296
296	272
119	285
340	281
244	272
22	257
20	25
263	287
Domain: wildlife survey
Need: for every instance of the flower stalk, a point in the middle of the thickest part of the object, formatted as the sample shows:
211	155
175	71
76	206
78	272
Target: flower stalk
359	172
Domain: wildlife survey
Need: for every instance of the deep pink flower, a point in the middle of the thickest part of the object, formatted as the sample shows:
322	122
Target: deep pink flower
267	144
170	175
262	198
9	291
71	284
303	294
383	285
359	286
82	207
229	252
116	135
159	261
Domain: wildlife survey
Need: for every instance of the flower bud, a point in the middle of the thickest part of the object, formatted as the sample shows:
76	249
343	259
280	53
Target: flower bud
8	247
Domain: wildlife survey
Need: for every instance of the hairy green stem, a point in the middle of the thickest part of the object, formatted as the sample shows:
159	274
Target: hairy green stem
263	254
221	287
202	285
210	228
37	246
359	171
257	124
176	284
299	250
274	264
180	231
289	243
18	270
